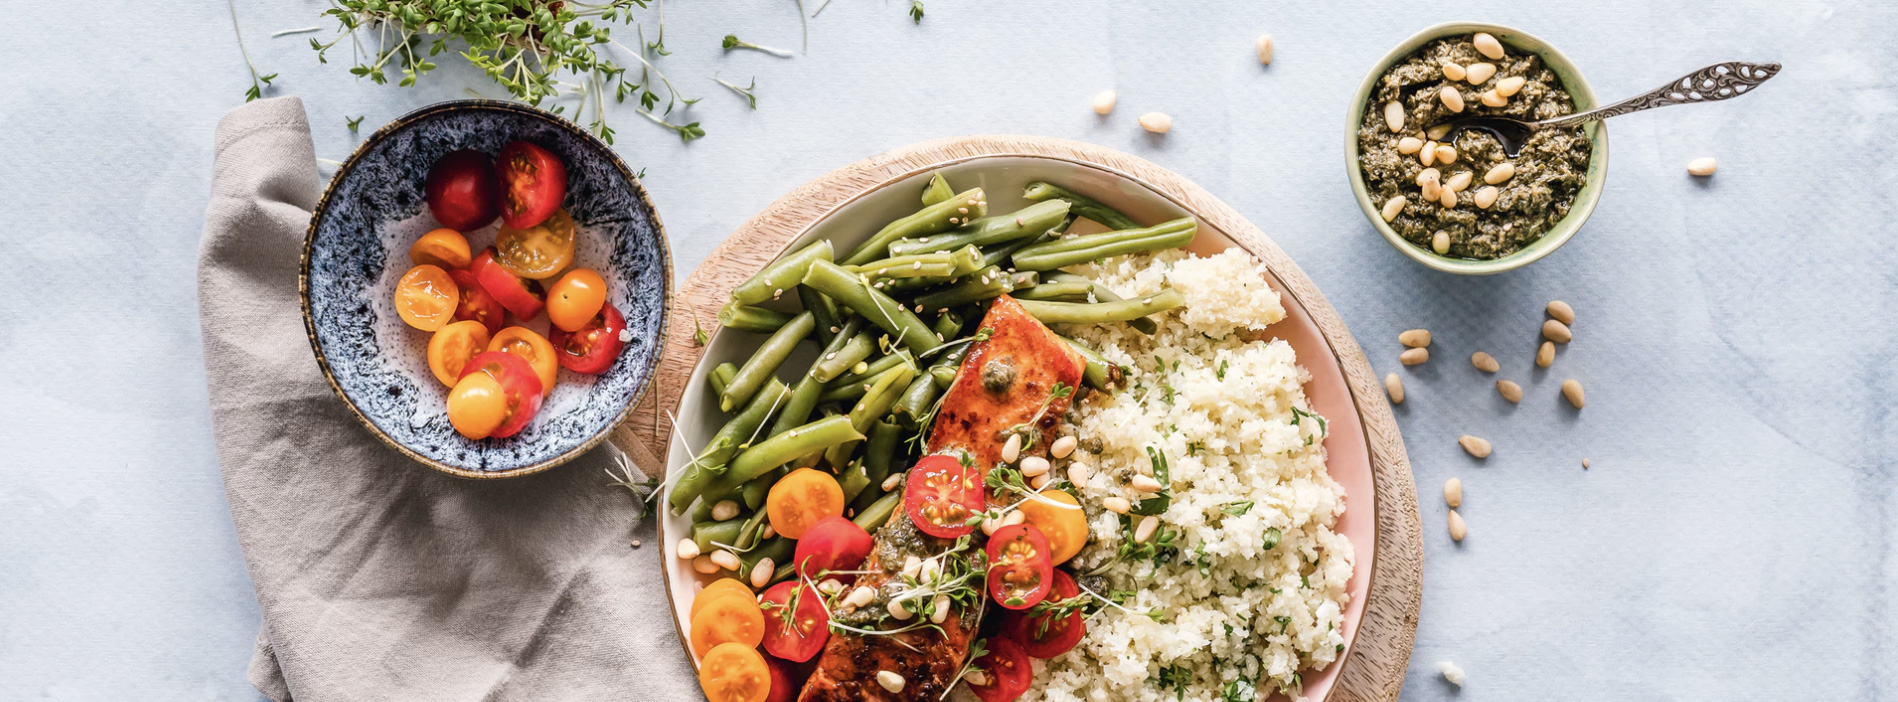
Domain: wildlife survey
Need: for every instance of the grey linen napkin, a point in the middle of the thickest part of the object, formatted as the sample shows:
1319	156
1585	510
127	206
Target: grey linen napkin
380	579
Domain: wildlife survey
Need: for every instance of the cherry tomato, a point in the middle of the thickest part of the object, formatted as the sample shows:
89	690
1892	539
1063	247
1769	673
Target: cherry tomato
1006	671
1065	528
575	299
477	406
463	191
541	251
593	348
426	297
833	543
725	620
1044	631
517	379
808	627
1020	570
532	348
941	495
451	347
476	304
733	672
802	499
533	181
446	248
722	587
784	684
519	295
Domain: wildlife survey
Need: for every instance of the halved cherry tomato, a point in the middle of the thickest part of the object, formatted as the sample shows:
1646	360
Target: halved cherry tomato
784	685
541	251
800	634
532	348
727	619
575	299
801	499
1065	528
451	347
425	297
722	587
1053	627
733	672
593	348
444	247
941	495
477	406
1020	571
1007	671
519	295
463	191
517	379
833	543
476	304
533	181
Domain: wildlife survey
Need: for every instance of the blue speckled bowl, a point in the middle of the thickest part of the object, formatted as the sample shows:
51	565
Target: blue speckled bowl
357	248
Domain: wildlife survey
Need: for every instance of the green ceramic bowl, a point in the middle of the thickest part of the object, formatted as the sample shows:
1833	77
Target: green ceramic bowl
1578	90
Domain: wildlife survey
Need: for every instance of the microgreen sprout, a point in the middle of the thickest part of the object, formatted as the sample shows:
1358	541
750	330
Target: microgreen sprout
746	92
257	82
916	11
354	122
733	42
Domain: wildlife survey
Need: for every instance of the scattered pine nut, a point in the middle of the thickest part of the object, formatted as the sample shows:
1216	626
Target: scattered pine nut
1485	362
1078	473
1480	73
1491	98
901	613
1508	87
1264	46
1446	154
1451	673
1561	311
1545	356
1011	450
704	565
1453	493
687	550
1448	198
726	560
1486	196
1156	122
1476	446
1572	389
938	612
1104	102
1414	338
1063	446
1394	207
1460	181
1145	531
1509	390
1429	175
1487	45
1117	505
1458	529
1394	115
762	571
1438	132
1395	387
891	483
1499	173
1414	356
860	597
1428	154
1454	71
1440	243
1409	145
1703	167
1584	464
1556	331
1145	484
724	510
1032	466
1452	99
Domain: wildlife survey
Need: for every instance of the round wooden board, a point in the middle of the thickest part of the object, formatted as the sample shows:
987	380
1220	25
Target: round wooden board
1375	665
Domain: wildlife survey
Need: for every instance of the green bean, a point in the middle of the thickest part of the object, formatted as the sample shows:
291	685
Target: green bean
1082	249
1104	294
1064	291
853	480
797	405
876	402
1082	205
948	325
730	439
872	518
783	274
998	255
1026	222
765	361
934	219
1099	373
981	285
938	190
1101	312
777	548
850	291
703	512
880	452
899	286
754	492
710	535
720	377
752	319
874	369
781	449
1021	280
754	527
917	398
945	376
836	363
823	312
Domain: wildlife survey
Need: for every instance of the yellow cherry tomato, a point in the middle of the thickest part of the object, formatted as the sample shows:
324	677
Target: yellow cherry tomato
452	346
575	299
727	619
735	673
1066	529
443	247
426	297
722	587
800	499
477	406
532	348
540	251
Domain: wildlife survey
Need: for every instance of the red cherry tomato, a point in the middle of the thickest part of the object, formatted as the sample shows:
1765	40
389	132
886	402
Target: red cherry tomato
519	295
833	543
593	348
800	638
1042	630
517	379
1021	567
464	193
1006	669
476	304
784	685
941	495
533	182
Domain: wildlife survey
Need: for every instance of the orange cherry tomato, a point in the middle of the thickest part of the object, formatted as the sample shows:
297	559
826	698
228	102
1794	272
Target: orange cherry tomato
540	251
801	499
575	299
443	247
722	587
477	406
727	619
532	348
426	297
734	673
1066	529
452	346
519	383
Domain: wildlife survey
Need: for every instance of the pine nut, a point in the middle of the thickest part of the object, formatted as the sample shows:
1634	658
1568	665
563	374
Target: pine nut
1484	362
1429	175
1078	473
769	531
1394	115
1556	331
1487	45
1146	484
1414	338
932	567
1460	181
1414	356
1117	505
1394	386
727	560
912	566
1148	525
1572	389
1454	71
704	565
1264	46
1584	464
1104	101
1011	450
938	611
1428	154
1499	173
860	597
1490	98
1458	529
1545	356
1063	446
1438	132
1561	311
1509	390
1485	196
892	482
1440	243
1041	481
1032	466
1156	122
687	550
762	571
1481	72
1453	493
898	611
1409	145
1451	98
1432	191
830	586
1508	87
977	678
1476	446
1448	198
1446	154
890	681
725	509
1702	166
989	525
1393	207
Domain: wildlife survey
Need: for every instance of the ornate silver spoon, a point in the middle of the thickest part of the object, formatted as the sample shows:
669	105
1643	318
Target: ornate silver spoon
1717	82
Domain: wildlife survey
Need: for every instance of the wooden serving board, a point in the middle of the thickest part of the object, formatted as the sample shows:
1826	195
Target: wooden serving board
1374	666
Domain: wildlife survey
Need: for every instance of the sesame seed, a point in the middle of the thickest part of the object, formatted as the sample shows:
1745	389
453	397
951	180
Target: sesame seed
917	266
1018	221
963	210
830	355
971	201
834	329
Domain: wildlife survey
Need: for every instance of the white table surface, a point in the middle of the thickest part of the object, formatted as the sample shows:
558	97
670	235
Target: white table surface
1737	537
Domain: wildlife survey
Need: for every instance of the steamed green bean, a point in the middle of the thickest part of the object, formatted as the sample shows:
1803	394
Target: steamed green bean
1062	253
765	361
934	219
1080	205
948	325
850	353
1099	372
1062	291
1023	223
1104	294
783	274
1102	312
781	449
851	291
876	402
711	535
721	376
726	444
984	284
917	399
752	319
871	518
938	190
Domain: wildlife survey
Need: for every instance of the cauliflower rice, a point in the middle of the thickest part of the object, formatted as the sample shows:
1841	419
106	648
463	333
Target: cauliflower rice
1224	612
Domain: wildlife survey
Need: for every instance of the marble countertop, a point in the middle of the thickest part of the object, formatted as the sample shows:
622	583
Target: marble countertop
1736	537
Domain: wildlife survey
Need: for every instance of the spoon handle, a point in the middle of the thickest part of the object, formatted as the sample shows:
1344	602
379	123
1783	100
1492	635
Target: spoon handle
1717	82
